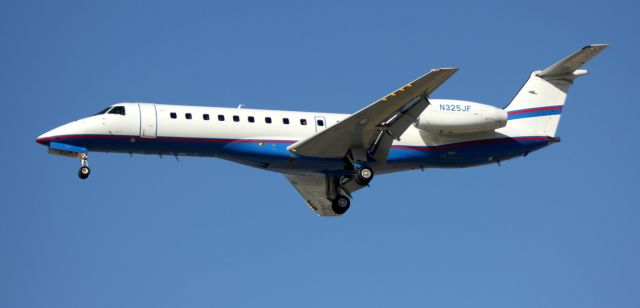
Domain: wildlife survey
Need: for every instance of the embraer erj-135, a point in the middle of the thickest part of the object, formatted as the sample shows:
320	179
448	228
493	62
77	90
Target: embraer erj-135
328	156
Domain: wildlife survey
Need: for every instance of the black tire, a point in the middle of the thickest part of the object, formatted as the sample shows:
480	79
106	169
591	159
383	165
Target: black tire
84	172
340	205
364	175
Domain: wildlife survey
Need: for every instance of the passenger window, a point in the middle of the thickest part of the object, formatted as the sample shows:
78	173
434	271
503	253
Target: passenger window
251	119
268	120
303	121
320	123
285	120
188	116
236	119
220	117
117	110
173	115
205	117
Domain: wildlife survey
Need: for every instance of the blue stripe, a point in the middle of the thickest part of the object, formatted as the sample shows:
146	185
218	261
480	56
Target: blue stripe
274	154
67	147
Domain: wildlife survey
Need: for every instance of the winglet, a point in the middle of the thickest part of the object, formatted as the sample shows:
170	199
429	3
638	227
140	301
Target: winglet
569	66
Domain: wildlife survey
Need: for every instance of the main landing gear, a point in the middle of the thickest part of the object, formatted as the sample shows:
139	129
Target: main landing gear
84	171
356	159
338	194
364	175
340	204
339	188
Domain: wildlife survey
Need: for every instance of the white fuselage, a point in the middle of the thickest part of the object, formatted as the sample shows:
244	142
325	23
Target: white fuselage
260	137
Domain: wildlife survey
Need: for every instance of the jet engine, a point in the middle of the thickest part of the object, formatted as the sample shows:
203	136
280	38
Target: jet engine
448	117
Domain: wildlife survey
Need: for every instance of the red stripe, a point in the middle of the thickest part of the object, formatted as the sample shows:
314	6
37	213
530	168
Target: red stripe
178	139
206	140
536	109
468	143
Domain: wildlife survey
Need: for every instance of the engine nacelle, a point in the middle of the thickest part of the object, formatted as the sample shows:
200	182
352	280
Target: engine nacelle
448	117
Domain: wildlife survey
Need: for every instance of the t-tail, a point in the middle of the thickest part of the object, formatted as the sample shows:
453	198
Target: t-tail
536	109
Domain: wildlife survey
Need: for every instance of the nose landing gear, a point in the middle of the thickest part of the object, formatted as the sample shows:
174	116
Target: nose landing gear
84	171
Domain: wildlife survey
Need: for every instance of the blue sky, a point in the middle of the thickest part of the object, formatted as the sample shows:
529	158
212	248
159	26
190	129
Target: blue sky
559	228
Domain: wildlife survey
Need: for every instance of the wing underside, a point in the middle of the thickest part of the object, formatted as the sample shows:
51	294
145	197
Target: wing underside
315	190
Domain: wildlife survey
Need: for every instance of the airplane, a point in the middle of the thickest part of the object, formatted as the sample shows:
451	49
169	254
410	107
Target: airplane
329	156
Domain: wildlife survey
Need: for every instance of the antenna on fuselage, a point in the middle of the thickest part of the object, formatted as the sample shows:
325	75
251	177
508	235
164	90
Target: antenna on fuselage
240	106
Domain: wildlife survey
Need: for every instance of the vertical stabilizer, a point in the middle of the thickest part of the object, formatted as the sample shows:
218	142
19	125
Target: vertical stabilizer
537	107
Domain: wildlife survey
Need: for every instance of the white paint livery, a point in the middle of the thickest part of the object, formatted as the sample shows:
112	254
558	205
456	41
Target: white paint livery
328	156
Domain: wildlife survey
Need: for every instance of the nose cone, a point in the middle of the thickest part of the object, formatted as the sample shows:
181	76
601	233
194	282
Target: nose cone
58	132
47	137
44	138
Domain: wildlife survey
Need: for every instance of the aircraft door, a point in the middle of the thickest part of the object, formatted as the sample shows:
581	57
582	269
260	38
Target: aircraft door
148	120
320	123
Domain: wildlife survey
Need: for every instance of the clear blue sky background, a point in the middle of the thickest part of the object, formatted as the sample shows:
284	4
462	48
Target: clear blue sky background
559	228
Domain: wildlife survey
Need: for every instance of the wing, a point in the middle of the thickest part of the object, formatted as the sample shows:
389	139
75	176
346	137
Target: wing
390	116
314	188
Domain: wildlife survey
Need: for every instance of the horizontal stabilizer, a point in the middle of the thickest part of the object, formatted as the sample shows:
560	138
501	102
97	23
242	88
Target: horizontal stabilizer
572	63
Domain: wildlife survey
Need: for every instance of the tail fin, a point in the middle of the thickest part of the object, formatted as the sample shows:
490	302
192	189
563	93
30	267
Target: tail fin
537	106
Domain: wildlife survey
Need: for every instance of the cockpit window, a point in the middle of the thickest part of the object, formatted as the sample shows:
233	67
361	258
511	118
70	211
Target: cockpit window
117	110
103	111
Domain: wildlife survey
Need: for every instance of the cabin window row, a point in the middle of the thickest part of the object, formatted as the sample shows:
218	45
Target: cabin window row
236	118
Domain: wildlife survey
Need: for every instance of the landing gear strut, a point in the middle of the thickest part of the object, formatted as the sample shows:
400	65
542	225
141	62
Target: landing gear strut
84	171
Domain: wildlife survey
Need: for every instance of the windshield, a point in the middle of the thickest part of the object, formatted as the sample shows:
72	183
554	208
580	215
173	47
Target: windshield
103	111
117	110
